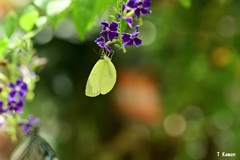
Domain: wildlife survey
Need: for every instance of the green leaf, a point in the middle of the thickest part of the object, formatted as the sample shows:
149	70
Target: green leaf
82	15
10	23
3	45
56	7
28	18
41	21
42	4
185	3
85	12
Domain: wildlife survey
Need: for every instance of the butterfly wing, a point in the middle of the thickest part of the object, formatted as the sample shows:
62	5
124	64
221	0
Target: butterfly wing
93	87
47	150
102	78
33	148
109	76
21	150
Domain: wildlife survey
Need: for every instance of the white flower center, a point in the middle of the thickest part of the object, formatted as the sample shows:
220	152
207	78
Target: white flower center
17	88
108	29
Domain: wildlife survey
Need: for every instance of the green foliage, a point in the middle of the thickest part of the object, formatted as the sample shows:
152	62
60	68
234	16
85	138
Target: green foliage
10	23
3	45
56	7
42	4
85	12
41	21
28	18
185	3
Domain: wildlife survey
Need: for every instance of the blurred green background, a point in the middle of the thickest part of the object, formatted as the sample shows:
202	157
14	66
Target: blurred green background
177	96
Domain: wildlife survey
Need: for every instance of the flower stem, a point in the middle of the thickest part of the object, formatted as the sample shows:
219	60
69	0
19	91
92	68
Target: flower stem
119	6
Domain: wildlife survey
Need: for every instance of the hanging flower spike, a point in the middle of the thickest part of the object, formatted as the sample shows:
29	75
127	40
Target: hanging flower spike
1	107
139	7
19	88
101	42
110	30
131	39
27	125
15	105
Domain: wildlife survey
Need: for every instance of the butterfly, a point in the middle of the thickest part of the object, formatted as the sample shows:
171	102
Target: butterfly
102	78
33	147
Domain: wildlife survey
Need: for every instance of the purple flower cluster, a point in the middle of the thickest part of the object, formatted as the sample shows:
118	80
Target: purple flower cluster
139	7
15	97
16	101
113	30
26	126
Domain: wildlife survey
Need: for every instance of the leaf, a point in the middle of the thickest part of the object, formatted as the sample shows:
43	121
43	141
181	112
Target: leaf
3	45
42	4
10	23
84	13
56	7
41	21
185	3
28	18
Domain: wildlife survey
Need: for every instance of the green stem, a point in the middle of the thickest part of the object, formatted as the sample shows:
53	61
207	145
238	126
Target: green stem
120	4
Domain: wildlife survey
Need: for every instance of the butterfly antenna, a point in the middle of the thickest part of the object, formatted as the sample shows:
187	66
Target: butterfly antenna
95	51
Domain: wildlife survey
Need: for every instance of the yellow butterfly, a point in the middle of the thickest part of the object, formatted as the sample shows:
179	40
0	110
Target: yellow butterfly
102	78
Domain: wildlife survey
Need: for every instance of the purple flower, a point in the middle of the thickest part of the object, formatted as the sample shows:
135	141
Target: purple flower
19	88
15	105
2	110
110	30
139	7
101	42
118	16
27	125
129	21
131	39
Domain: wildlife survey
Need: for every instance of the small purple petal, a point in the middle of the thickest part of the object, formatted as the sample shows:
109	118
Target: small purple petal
137	12
104	23
137	28
137	41
135	34
100	41
12	86
104	32
146	3
24	86
108	48
145	11
118	17
19	81
113	26
112	35
25	128
132	3
32	120
12	94
1	107
129	21
1	103
126	37
129	43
